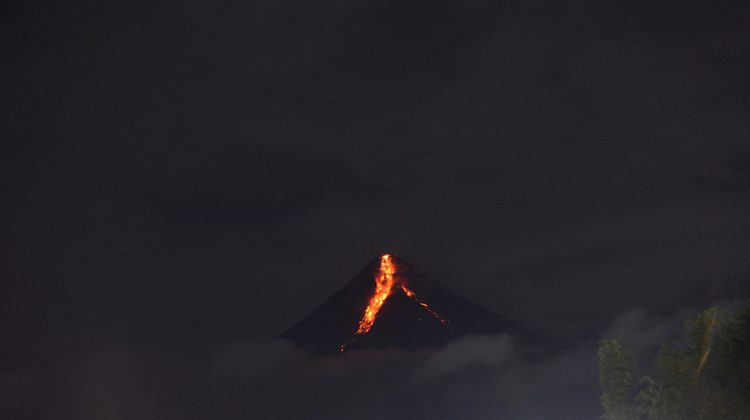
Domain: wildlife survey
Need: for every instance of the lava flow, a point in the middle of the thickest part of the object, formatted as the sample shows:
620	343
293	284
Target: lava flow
411	294
384	285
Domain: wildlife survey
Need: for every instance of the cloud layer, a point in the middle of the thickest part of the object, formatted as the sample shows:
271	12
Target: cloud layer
481	377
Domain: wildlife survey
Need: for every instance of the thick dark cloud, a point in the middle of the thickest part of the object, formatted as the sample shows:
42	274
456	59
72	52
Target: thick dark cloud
481	377
179	174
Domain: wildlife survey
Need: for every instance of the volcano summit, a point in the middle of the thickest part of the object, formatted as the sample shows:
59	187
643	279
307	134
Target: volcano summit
389	305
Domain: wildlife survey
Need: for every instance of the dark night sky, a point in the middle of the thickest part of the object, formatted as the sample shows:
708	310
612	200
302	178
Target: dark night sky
181	174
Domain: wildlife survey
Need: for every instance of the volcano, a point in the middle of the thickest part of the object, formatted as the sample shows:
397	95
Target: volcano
390	305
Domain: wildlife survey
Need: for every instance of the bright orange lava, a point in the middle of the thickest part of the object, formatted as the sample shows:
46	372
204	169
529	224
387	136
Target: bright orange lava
411	294
384	283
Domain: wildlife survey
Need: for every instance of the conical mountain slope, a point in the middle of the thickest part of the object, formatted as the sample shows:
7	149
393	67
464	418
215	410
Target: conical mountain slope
389	305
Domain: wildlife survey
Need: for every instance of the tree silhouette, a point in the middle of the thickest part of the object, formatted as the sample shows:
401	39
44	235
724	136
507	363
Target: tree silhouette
707	379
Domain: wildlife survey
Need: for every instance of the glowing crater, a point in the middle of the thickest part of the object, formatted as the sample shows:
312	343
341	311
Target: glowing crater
385	283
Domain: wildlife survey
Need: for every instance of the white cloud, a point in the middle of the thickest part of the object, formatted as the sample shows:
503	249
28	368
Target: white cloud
475	351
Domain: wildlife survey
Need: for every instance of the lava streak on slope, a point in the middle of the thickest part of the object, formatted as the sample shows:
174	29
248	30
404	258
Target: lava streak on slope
411	294
385	281
383	285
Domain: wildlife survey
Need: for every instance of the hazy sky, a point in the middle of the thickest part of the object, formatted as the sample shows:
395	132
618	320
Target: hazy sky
183	174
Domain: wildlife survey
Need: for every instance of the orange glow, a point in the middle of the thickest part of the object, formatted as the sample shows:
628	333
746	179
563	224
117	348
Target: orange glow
383	286
411	294
385	281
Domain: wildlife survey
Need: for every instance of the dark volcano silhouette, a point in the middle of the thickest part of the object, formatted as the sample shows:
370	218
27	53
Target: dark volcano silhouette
401	322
